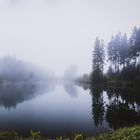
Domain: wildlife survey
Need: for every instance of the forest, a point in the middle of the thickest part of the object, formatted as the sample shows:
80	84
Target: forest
118	61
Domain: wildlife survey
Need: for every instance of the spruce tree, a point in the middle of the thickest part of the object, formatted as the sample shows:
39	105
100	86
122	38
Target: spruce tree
98	59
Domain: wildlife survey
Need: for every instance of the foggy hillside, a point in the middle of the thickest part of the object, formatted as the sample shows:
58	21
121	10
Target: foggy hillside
14	70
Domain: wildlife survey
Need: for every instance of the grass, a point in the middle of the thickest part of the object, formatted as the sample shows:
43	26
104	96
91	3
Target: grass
132	133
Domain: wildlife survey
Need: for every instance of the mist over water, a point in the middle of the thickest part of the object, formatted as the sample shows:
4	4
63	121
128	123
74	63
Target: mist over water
44	45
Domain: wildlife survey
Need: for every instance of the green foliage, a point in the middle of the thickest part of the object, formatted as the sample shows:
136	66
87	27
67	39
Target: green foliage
59	138
8	135
78	137
35	134
122	134
132	133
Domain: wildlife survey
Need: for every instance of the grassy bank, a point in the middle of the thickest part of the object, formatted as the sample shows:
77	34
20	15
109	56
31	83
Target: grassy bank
132	133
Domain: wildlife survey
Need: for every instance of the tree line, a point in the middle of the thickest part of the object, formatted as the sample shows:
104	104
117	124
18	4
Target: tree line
121	58
13	70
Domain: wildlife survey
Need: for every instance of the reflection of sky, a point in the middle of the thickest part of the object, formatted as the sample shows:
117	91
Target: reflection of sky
106	100
71	89
53	112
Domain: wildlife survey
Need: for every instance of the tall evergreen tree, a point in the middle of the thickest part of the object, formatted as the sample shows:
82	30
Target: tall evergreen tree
118	52
135	45
113	52
124	51
98	59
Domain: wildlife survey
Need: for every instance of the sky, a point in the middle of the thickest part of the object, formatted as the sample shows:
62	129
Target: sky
56	34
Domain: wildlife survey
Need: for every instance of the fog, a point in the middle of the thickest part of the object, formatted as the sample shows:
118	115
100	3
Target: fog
56	34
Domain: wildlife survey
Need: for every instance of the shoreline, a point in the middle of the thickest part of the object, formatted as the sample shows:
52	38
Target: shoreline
128	133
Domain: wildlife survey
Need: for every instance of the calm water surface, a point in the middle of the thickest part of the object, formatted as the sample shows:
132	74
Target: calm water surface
65	109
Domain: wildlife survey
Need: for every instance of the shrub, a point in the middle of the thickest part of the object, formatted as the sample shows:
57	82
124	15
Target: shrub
79	137
35	134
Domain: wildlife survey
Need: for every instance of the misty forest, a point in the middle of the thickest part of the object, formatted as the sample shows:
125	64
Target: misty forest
69	70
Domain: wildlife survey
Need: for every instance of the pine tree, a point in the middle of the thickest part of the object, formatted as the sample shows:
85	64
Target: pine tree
135	45
98	59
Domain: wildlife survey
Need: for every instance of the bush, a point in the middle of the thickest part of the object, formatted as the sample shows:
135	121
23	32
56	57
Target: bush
132	133
79	137
35	135
8	135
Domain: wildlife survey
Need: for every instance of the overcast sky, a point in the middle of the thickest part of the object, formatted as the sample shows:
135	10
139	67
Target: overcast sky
56	34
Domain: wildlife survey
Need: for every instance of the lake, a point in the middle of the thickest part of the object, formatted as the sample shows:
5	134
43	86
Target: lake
65	108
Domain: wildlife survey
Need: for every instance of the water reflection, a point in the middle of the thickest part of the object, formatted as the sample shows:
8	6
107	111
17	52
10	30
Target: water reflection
121	108
83	85
107	107
98	108
124	107
71	89
14	93
53	113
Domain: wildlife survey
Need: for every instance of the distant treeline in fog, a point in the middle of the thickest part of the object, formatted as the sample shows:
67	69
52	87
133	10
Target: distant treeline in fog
14	70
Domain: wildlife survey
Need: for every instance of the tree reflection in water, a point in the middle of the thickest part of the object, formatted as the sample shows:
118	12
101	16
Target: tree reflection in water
98	108
12	94
120	109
